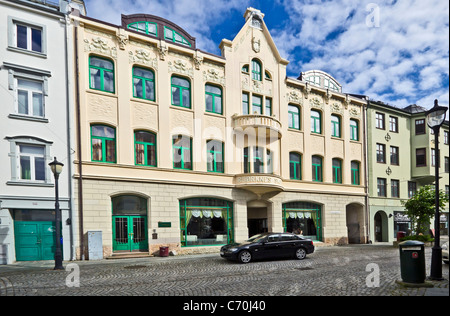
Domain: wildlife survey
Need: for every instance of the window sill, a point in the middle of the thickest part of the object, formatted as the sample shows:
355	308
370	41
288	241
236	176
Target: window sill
27	52
31	183
28	118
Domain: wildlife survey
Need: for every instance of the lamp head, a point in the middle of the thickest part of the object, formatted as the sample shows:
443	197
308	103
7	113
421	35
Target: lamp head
56	167
436	115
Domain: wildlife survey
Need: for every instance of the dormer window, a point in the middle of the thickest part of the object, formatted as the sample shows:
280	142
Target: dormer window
175	37
148	28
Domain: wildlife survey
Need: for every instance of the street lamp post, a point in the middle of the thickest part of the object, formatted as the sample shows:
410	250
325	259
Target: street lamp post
435	118
56	168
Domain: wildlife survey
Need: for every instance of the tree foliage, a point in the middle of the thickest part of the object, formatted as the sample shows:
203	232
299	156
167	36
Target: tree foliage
421	207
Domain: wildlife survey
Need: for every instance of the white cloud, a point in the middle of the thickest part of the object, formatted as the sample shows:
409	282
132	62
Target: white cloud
403	61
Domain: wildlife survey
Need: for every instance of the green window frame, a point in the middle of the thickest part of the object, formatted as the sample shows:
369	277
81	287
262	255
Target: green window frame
337	170
256	70
304	215
316	122
256	104
103	143
355	173
246	161
213	99
182	152
205	211
145	148
181	92
354	130
215	155
268	109
101	74
295	166
175	37
143	83
294	116
317	169
335	126
258	159
245	105
149	28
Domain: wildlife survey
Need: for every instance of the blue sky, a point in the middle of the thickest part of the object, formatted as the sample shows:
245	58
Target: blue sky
395	51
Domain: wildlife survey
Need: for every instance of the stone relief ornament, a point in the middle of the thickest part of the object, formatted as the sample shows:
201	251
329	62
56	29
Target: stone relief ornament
336	108
353	112
99	45
315	103
198	61
162	49
180	66
143	56
213	75
122	39
256	45
294	96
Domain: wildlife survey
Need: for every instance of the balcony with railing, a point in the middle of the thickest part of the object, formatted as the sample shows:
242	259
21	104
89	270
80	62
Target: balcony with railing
257	124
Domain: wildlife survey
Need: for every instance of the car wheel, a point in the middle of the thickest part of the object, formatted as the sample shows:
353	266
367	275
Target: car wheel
245	256
300	253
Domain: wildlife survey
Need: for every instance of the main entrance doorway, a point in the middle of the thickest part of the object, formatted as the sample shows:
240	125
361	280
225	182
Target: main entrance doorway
129	223
256	220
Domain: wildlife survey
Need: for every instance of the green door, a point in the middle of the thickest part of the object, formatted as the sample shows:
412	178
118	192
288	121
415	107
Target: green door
130	233
34	240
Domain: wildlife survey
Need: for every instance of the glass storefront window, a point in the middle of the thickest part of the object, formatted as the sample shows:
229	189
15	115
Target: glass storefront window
303	218
206	222
402	223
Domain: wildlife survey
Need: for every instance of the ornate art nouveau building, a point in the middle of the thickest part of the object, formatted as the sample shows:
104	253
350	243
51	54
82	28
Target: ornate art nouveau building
182	148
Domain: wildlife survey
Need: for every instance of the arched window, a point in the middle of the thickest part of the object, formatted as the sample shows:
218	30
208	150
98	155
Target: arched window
181	92
182	152
256	70
145	148
213	99
101	74
354	130
317	169
316	122
103	143
294	116
355	172
214	156
337	170
175	37
295	166
149	28
143	83
206	222
335	126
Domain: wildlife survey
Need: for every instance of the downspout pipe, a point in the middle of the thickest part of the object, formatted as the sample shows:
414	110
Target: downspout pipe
78	131
366	169
69	144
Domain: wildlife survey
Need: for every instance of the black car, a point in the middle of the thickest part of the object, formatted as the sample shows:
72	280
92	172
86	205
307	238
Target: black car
268	245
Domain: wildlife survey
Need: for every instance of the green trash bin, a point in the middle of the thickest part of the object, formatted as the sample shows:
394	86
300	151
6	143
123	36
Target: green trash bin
412	261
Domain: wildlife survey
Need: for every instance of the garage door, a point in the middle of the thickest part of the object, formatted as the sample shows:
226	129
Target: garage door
34	240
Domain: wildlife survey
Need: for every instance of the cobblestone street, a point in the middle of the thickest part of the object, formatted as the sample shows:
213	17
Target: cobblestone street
330	271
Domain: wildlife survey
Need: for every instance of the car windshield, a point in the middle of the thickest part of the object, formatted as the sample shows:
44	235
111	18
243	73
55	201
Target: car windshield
257	238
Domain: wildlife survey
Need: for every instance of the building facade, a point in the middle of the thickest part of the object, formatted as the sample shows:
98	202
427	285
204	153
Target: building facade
35	119
182	148
401	159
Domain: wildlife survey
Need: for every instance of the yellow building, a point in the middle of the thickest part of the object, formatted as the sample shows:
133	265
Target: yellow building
182	148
